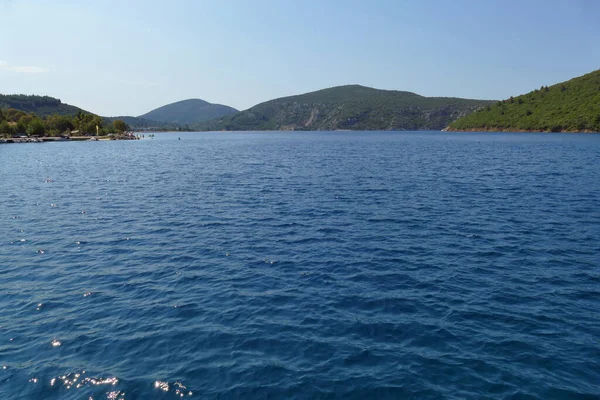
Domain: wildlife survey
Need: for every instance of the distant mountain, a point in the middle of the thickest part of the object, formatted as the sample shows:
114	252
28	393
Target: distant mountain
351	107
189	112
42	106
45	106
571	106
137	123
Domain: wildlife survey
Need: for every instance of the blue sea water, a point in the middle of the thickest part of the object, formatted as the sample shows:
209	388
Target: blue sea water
302	265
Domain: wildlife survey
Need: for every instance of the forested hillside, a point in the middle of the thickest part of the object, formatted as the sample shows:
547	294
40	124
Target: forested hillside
351	107
570	106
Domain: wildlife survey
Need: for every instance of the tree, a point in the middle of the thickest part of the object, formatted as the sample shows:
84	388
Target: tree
596	125
13	115
64	124
60	123
26	119
35	127
84	123
5	129
20	127
581	124
120	125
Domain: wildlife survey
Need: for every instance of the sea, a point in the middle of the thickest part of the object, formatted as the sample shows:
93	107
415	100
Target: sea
301	265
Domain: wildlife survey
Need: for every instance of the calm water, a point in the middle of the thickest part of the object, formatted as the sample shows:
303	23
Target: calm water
302	265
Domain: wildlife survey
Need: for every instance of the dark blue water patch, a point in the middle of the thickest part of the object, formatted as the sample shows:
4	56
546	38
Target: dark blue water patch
306	265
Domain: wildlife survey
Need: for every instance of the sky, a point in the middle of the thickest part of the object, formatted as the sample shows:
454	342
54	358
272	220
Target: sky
127	57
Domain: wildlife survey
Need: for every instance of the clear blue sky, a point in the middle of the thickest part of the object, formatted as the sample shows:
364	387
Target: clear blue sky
127	57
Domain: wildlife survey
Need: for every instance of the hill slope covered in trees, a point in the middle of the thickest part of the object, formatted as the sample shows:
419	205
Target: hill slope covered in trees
571	106
46	106
43	106
351	107
189	112
48	116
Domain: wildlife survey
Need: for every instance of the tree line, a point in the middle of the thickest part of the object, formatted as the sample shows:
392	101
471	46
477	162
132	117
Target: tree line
18	122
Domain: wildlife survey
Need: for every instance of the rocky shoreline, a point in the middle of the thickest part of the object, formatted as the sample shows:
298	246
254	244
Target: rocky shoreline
27	139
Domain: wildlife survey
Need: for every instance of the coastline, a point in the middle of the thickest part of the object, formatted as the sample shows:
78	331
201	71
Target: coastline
448	129
45	139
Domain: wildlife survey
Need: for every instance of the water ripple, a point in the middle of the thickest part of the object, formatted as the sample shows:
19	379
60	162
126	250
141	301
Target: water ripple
305	265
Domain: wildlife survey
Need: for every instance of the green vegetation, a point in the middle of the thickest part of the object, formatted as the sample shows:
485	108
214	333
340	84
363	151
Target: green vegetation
120	126
43	106
572	106
18	122
188	112
351	107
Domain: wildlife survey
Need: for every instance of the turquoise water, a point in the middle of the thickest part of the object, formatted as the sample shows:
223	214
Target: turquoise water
302	265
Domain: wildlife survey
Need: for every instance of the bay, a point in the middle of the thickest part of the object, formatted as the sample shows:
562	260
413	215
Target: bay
302	265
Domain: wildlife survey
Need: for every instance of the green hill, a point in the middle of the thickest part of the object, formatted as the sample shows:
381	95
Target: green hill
188	112
45	106
571	106
350	107
42	106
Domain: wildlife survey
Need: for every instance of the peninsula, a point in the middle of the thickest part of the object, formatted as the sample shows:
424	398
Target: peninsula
20	124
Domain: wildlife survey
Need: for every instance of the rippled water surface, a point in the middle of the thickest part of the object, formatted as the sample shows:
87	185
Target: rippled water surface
301	265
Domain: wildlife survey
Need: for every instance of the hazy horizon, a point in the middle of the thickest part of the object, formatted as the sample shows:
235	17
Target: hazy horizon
127	59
